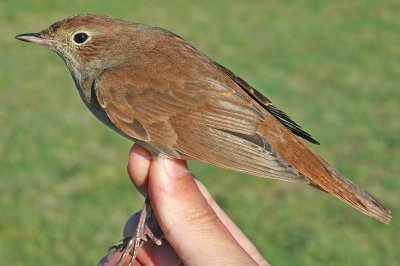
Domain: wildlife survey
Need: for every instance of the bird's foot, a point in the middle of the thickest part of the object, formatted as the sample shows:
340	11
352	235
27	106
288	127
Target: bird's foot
147	228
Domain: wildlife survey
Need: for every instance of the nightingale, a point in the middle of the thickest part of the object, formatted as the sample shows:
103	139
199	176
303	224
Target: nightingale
153	87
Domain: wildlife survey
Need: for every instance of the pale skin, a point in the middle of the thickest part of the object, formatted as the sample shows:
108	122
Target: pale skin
197	230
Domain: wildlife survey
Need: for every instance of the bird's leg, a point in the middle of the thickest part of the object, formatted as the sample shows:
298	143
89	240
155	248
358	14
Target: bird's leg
147	228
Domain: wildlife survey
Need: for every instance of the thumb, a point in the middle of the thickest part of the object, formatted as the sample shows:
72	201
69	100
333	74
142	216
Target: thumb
190	225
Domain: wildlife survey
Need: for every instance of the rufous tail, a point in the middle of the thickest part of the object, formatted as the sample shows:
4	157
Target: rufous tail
320	173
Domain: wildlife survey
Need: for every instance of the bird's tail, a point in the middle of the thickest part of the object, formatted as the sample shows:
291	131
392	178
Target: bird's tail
336	184
321	175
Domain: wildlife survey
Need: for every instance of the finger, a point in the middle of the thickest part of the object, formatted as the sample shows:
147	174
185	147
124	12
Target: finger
187	220
151	254
138	167
247	245
241	238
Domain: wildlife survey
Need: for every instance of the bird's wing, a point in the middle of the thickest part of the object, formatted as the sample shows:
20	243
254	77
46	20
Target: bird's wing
202	119
267	104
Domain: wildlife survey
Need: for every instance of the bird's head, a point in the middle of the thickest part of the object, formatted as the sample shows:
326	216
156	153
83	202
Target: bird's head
88	42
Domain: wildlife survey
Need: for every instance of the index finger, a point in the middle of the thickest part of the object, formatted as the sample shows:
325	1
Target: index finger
139	166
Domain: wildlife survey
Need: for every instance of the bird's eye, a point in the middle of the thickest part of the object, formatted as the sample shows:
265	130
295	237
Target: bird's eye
80	37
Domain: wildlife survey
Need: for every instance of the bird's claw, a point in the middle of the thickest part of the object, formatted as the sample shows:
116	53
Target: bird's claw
147	228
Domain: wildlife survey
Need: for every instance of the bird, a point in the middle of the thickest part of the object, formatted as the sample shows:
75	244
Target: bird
157	89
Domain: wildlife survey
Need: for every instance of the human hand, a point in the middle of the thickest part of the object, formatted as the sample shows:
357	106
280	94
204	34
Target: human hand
197	230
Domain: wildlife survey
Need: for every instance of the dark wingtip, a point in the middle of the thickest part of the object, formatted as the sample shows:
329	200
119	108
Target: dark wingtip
312	140
305	135
289	123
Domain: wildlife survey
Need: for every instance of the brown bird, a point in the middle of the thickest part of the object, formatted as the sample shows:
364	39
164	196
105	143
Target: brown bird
155	88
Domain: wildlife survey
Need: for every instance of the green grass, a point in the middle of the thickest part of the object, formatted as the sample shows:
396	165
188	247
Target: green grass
334	66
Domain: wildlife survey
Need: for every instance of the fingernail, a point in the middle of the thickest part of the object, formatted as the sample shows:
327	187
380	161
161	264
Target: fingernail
175	167
139	150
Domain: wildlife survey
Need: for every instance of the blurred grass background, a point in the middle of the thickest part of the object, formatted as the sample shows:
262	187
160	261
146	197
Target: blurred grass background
334	66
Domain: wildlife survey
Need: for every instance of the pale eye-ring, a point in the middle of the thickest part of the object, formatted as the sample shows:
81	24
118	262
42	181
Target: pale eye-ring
80	37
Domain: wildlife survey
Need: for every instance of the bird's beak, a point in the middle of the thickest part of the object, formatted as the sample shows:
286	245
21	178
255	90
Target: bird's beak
34	38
